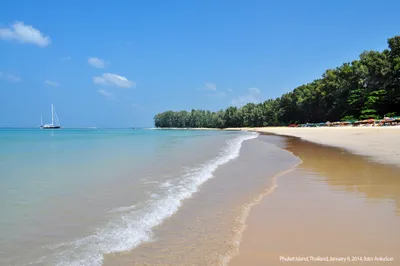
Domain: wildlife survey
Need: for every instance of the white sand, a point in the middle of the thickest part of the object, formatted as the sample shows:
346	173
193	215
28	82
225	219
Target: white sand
382	144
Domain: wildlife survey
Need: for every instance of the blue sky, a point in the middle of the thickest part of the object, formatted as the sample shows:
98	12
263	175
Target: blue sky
117	63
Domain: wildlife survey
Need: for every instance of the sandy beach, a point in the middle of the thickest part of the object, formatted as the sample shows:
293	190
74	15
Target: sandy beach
382	144
334	205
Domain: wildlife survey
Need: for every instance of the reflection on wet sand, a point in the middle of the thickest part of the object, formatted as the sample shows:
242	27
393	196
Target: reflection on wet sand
334	204
352	173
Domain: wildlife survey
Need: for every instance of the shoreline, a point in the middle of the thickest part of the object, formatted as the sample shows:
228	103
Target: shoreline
380	144
213	219
322	186
247	209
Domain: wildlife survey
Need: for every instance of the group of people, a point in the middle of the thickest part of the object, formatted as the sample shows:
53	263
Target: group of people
387	121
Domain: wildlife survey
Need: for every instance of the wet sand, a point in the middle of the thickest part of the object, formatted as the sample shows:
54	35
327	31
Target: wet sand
207	228
382	144
335	204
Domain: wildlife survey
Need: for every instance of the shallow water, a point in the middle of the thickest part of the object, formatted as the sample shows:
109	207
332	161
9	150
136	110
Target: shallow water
93	197
207	229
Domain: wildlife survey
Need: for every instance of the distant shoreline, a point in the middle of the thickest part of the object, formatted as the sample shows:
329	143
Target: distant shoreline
187	128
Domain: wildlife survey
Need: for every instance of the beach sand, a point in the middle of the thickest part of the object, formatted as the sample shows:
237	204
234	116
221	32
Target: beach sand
335	204
382	144
207	228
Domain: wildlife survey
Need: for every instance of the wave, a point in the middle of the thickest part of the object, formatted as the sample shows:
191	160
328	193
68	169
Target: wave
134	226
166	184
124	209
241	225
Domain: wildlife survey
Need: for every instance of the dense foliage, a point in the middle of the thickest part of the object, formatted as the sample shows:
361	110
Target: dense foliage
365	88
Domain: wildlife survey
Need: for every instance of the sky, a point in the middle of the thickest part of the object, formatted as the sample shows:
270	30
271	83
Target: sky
118	63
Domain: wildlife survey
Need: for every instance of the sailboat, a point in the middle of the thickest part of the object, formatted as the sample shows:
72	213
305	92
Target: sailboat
55	123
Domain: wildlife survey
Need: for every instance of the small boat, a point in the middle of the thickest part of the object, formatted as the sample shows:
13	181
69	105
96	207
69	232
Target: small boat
55	123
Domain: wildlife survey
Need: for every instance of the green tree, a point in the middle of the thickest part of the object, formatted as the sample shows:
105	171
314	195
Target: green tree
365	88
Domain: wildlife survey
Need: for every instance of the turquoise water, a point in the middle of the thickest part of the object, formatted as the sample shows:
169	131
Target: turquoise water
70	196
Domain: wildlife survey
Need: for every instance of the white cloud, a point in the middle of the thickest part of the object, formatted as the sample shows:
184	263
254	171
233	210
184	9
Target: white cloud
231	91
108	79
99	81
67	58
96	62
105	93
51	83
254	90
24	34
9	77
251	97
209	87
212	88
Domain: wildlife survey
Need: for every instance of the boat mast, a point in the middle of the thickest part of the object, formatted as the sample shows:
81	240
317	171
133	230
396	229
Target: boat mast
52	114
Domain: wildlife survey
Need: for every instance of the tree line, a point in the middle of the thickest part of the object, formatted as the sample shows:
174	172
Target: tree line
365	88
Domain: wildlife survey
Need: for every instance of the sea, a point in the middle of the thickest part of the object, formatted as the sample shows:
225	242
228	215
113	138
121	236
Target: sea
131	197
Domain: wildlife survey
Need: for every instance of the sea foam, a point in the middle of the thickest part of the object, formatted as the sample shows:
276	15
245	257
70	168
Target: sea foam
134	226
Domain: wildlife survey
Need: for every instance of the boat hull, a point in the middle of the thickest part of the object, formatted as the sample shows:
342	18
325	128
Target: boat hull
51	127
